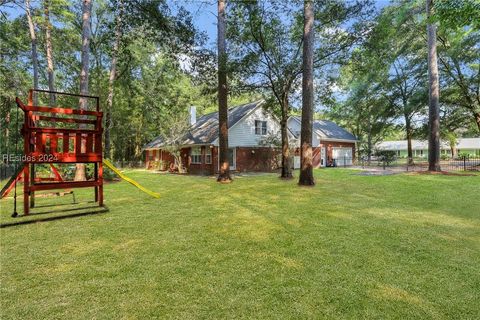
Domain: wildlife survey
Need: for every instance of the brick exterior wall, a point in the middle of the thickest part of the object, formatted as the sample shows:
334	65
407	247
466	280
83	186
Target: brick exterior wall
248	159
153	156
257	159
201	168
260	159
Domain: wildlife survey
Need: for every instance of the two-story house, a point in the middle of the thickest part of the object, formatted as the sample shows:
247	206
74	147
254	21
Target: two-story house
250	130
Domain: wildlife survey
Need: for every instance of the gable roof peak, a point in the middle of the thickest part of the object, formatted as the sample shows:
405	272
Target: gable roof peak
205	130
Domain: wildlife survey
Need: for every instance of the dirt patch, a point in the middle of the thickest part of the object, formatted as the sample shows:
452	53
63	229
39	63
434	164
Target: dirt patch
114	180
444	173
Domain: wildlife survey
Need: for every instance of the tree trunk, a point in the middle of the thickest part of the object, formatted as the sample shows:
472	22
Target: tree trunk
7	136
453	150
33	40
433	96
111	80
48	41
86	33
86	12
369	147
286	163
477	120
408	127
177	157
224	169
306	152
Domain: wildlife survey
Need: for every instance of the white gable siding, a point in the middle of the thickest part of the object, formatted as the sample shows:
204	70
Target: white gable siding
242	134
295	126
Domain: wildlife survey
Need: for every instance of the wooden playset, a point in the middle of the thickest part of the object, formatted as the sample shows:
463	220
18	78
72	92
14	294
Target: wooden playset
60	135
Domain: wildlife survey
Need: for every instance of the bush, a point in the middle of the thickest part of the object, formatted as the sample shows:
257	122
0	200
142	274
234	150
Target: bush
68	171
163	165
445	157
152	164
108	174
387	156
462	155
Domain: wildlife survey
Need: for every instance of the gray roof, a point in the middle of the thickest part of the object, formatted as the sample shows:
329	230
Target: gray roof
330	130
205	130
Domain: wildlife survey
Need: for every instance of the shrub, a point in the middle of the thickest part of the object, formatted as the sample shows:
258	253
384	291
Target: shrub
163	165
108	174
387	156
462	155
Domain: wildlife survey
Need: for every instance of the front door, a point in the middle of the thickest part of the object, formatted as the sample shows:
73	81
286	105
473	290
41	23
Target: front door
232	159
323	162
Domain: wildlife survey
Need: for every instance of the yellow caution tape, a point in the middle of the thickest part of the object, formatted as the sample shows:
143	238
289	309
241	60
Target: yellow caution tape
131	181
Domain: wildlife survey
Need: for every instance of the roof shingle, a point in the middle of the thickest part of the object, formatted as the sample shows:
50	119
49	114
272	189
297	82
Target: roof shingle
330	130
205	130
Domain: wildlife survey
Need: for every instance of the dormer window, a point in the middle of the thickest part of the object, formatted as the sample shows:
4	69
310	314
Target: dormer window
260	127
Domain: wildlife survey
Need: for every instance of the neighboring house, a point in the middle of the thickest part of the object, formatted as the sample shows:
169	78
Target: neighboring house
332	145
469	146
248	124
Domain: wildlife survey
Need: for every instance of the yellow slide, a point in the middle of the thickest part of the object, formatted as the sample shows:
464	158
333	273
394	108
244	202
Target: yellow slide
124	177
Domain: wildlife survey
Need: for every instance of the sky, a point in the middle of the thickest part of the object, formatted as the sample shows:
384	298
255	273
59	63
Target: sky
205	18
203	13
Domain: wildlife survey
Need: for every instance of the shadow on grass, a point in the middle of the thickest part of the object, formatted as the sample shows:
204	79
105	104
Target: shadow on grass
58	205
64	210
103	209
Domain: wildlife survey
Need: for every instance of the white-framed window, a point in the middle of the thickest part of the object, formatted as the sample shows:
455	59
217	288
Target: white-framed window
208	155
196	155
260	127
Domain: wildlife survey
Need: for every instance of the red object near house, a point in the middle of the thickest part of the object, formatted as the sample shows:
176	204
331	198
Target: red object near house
55	143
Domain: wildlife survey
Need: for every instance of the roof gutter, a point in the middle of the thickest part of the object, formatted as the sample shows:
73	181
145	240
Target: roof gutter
182	146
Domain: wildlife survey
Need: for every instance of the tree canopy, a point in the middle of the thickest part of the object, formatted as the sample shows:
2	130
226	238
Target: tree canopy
369	64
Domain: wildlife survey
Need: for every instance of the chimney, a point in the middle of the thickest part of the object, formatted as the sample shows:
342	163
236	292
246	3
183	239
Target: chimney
193	115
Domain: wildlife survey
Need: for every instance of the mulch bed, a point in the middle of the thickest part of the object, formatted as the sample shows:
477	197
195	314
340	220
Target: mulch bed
377	173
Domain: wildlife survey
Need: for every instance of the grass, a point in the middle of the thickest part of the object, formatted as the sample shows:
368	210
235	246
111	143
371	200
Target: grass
376	247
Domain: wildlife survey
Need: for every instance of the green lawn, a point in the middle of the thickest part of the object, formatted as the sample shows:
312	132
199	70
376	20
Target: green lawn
375	247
